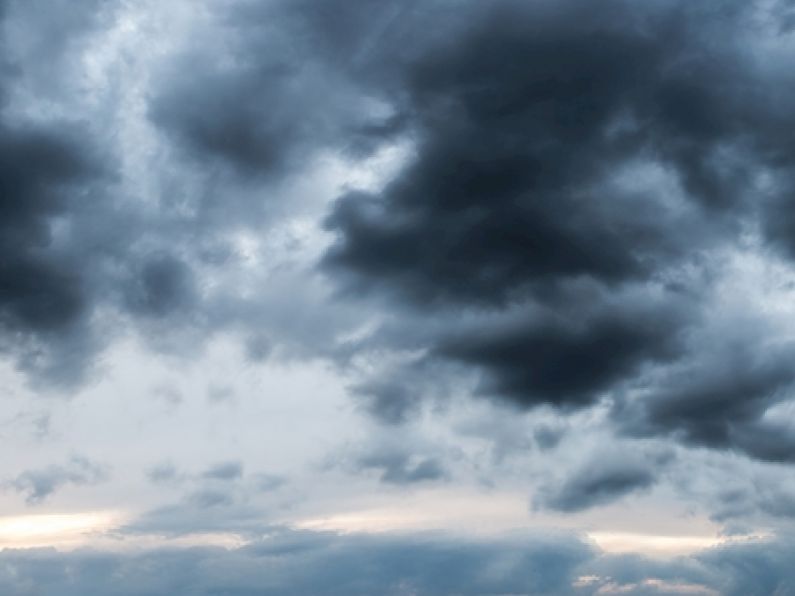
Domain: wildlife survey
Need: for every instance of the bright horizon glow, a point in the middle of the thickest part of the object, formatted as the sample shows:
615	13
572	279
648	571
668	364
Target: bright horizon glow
60	529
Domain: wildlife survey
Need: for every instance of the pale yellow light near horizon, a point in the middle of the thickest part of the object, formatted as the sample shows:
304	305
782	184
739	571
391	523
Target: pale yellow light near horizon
57	529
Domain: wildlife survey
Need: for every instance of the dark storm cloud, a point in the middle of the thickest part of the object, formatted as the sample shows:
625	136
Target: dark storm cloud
526	122
720	401
38	484
561	147
564	356
522	121
43	293
604	478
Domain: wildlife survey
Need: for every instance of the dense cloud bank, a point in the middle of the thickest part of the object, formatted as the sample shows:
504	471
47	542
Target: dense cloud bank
316	563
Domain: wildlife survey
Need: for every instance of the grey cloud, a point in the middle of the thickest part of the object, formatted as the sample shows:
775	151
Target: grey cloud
548	436
39	484
230	470
164	473
396	456
258	348
199	512
507	433
218	499
389	400
162	286
397	467
265	102
268	482
719	401
394	394
603	478
209	498
216	507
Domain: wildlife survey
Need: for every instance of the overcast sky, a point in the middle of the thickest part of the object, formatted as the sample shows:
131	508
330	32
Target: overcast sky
401	297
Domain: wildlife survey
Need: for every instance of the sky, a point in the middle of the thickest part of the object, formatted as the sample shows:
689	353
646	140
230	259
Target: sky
400	297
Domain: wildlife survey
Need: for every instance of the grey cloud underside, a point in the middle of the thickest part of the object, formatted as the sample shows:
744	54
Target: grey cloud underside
304	563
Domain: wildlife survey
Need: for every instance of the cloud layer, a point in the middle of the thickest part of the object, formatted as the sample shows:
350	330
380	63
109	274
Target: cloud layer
277	264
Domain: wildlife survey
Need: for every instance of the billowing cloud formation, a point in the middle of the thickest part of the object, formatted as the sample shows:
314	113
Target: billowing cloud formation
574	166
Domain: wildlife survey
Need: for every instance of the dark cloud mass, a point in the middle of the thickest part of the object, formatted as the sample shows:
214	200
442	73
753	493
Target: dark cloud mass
562	356
43	290
562	148
524	120
720	401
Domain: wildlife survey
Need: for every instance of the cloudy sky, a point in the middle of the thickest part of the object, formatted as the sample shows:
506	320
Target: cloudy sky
401	297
